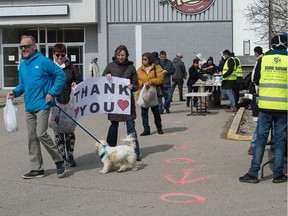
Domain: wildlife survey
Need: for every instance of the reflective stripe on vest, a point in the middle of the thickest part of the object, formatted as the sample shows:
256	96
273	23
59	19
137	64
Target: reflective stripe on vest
273	84
238	68
225	69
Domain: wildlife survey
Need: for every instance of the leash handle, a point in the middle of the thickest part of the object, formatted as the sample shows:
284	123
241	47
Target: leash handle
76	122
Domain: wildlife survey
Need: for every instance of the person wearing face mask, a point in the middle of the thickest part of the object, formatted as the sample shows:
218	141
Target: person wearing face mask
41	80
123	68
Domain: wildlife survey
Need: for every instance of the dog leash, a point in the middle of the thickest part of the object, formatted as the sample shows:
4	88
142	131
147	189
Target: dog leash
77	123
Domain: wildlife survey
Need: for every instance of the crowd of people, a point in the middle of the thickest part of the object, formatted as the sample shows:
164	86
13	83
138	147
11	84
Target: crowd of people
53	80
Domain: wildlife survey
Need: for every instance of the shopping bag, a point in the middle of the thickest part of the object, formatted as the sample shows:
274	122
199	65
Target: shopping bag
10	117
140	100
150	96
59	121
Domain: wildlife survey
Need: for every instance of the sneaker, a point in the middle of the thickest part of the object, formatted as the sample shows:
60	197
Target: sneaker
167	110
160	131
248	179
161	112
138	158
145	133
71	162
251	150
34	174
60	169
280	179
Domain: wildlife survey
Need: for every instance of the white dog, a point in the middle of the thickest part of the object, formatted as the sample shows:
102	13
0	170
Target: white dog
123	154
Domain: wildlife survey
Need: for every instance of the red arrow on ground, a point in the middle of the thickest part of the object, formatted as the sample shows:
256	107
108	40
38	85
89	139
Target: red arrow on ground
185	179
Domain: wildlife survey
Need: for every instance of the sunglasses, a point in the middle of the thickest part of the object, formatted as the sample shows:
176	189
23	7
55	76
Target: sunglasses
144	59
62	55
25	46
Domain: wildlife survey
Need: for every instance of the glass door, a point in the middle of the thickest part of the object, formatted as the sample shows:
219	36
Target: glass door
11	63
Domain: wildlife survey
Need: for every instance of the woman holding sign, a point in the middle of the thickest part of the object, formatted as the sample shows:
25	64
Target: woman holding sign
122	67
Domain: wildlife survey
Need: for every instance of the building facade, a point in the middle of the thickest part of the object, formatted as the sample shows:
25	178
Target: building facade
94	28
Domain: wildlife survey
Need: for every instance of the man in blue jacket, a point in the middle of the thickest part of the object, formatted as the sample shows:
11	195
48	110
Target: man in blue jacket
40	80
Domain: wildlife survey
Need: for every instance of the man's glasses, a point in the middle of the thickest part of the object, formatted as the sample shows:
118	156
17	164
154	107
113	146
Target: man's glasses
25	46
62	55
144	59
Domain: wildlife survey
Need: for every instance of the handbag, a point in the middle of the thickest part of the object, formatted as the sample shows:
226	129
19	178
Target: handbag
59	121
159	89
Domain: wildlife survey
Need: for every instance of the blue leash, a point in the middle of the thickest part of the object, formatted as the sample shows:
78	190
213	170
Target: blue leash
77	123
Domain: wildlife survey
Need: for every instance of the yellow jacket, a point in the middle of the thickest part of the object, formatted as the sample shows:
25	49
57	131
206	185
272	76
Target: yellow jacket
143	76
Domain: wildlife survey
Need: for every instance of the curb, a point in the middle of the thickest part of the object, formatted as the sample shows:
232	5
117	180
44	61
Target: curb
232	133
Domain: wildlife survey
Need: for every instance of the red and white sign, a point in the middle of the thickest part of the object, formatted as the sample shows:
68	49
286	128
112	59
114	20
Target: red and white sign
191	6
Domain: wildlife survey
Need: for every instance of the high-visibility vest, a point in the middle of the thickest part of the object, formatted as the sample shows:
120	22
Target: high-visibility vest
232	76
238	68
273	82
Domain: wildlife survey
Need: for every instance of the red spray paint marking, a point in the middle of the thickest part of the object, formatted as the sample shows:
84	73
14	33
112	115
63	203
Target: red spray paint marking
185	145
197	199
185	179
180	160
168	134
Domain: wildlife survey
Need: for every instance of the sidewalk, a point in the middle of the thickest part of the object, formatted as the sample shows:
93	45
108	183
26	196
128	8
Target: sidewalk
191	169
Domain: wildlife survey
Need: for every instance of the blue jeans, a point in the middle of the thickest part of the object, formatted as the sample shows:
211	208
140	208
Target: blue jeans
113	133
180	83
167	99
264	125
145	118
230	94
254	137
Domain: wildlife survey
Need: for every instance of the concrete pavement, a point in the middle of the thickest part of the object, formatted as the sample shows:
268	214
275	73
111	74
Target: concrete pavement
190	170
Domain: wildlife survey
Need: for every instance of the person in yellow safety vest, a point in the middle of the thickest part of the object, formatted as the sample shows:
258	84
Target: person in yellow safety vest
239	78
229	80
271	76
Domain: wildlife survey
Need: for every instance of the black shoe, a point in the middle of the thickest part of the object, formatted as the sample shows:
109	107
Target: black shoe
160	131
167	110
161	112
60	169
34	174
71	162
248	179
138	158
145	133
280	179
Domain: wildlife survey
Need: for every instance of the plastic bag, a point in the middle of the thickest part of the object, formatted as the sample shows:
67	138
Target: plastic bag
59	121
140	100
150	97
10	117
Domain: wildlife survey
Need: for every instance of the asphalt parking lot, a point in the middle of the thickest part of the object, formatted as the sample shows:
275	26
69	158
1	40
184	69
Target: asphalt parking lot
192	169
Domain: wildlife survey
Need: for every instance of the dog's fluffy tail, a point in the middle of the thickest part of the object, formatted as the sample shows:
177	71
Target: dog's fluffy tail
129	140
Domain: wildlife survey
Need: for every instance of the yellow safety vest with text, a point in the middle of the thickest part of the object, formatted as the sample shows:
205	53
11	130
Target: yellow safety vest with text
232	76
238	68
273	83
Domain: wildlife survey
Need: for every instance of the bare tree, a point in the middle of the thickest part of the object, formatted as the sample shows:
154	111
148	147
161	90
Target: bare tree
267	18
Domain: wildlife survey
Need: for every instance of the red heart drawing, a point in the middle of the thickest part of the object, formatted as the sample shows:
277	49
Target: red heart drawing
76	111
123	104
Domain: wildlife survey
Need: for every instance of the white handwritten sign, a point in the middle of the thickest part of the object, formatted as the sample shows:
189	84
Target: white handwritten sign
98	95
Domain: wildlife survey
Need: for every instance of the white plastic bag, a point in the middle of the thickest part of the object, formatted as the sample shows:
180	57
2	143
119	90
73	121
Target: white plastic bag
140	100
150	97
10	117
59	121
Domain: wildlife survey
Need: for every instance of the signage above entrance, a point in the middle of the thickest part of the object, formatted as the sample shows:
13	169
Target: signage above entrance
190	6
